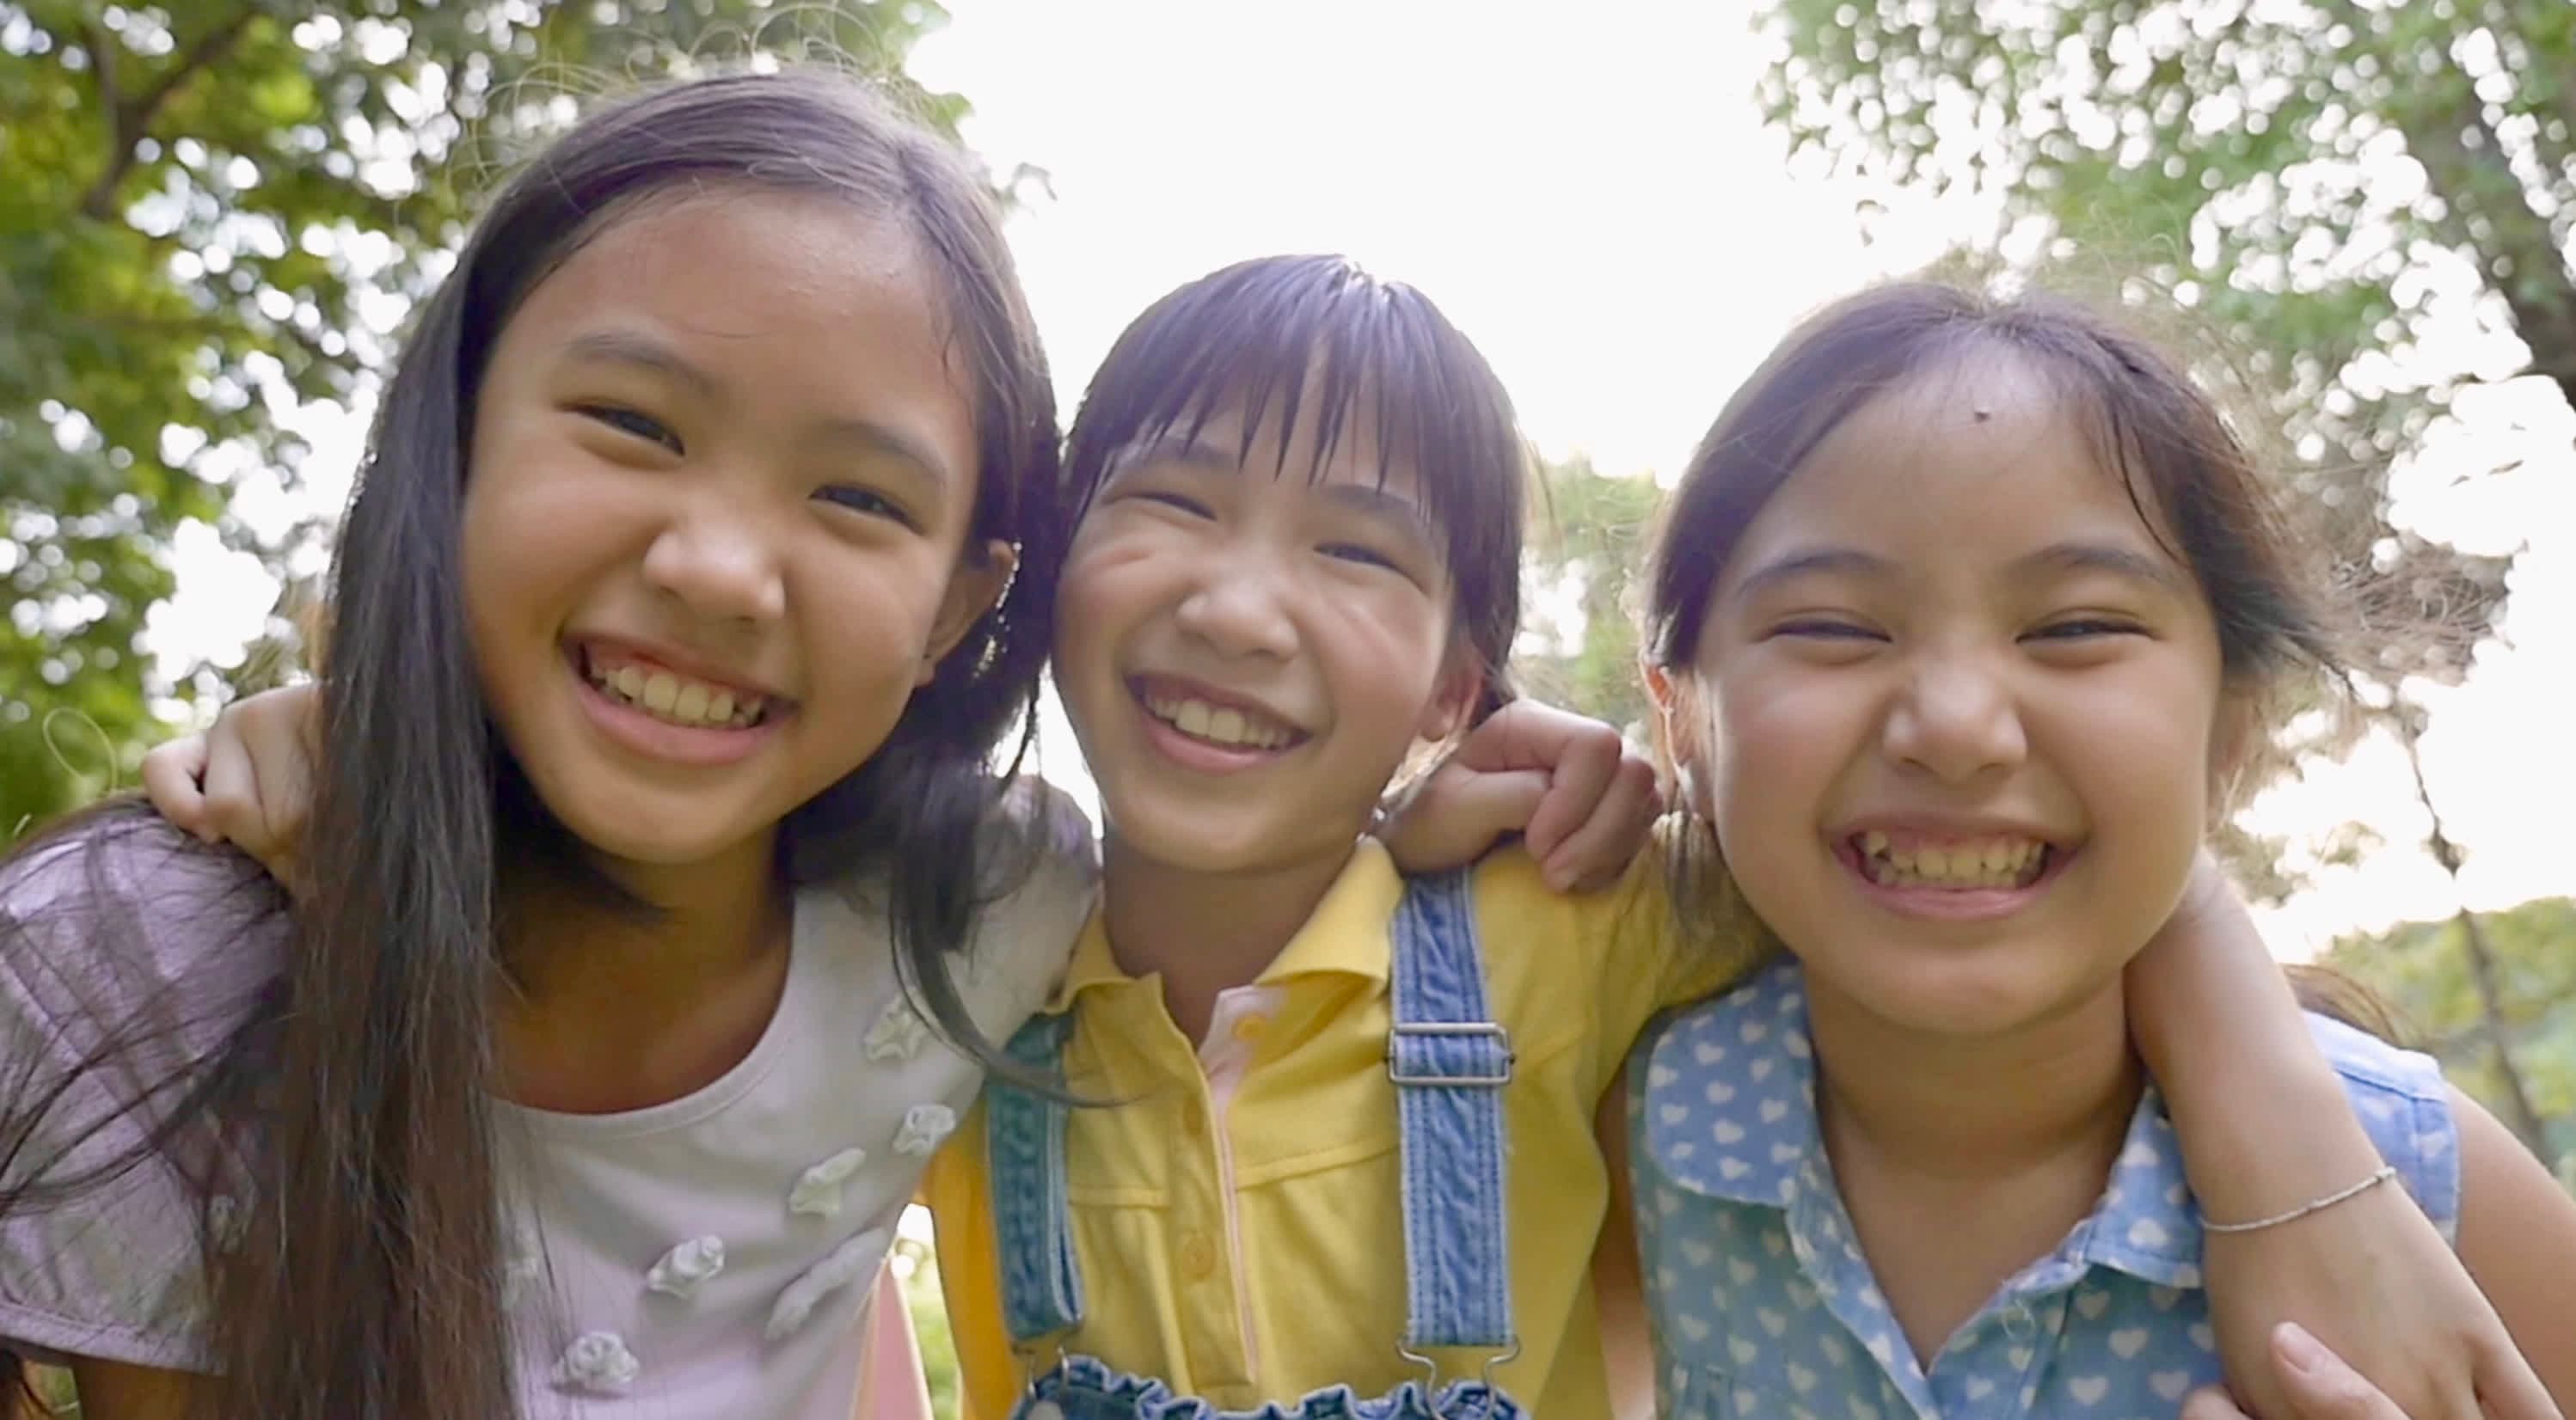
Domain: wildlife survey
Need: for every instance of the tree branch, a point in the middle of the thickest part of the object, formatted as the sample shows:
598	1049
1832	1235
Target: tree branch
130	120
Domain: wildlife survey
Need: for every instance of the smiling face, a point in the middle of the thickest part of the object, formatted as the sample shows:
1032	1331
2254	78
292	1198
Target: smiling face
1955	707
716	513
1247	653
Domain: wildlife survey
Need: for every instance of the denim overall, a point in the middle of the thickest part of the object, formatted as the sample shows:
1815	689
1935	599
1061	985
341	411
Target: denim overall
1447	1061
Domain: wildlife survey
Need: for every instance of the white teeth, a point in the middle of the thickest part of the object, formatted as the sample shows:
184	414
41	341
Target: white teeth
1217	724
682	702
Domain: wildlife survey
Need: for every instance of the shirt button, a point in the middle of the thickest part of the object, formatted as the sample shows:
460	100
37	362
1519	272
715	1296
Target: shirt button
1194	1119
1198	1258
1247	1030
2019	1324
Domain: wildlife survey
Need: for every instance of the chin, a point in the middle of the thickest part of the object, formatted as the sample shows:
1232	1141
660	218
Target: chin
1195	835
1200	848
1965	999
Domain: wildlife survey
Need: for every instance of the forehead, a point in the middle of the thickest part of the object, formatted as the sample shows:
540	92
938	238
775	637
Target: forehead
1987	454
787	297
1319	446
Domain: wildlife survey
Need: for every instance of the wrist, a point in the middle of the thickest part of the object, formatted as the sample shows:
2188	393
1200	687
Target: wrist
2294	1139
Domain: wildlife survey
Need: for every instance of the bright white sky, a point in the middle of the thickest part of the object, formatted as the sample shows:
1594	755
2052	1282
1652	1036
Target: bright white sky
1590	193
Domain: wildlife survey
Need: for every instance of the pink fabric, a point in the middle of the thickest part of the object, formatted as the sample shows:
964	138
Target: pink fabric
892	1382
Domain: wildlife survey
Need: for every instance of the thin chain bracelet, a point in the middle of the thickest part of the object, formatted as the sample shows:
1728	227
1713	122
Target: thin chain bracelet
2386	1174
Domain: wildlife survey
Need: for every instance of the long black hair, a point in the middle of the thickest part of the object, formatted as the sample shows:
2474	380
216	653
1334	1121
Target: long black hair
351	1095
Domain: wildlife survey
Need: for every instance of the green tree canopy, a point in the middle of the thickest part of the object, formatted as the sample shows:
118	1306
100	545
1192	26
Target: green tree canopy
2424	970
1587	538
210	211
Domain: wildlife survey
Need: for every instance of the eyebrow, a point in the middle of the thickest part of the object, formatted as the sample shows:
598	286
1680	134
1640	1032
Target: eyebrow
1366	499
626	347
2069	556
1850	561
2079	556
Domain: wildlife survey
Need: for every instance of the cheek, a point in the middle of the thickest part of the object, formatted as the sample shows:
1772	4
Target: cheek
1387	647
869	617
1774	739
2141	743
1107	575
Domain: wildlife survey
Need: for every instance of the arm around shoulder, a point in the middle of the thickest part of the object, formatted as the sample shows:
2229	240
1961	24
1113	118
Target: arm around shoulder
113	1390
2518	1236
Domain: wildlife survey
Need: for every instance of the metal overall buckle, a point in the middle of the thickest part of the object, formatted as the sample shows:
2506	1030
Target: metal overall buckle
1032	1407
1395	1072
1431	1391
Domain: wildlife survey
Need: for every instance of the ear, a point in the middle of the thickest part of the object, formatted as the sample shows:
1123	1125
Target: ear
1677	727
1677	714
1453	701
2235	741
976	586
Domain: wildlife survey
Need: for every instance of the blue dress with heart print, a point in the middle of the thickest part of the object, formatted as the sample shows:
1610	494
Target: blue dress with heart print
1763	1305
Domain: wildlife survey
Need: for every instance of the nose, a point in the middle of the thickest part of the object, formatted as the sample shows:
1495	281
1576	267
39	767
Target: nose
1955	718
719	562
1238	604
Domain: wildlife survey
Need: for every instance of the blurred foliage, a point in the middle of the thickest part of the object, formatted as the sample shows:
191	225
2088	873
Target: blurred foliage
2423	969
1579	643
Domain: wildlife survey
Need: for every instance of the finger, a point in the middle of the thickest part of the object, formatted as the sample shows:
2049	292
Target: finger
2320	1385
172	779
1601	850
285	790
2212	1403
232	794
2508	1389
1522	735
1459	814
1585	767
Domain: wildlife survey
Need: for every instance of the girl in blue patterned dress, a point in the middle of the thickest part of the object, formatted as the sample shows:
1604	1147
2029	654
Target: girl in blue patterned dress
1965	620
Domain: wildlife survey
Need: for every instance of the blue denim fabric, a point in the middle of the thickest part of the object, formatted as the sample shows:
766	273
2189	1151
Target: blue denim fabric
1448	1085
1024	1134
1084	1389
1458	1277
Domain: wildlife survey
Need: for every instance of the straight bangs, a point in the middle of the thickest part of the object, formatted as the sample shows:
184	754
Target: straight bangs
1317	342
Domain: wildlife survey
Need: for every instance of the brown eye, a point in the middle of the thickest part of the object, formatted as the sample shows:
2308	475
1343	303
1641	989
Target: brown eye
1819	630
2085	628
633	425
869	502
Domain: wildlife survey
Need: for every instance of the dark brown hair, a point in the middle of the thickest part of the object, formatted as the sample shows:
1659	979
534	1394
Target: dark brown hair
2183	468
1271	336
364	1281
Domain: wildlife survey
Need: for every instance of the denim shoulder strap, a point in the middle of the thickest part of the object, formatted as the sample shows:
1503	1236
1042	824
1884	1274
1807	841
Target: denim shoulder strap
1449	1061
1032	1222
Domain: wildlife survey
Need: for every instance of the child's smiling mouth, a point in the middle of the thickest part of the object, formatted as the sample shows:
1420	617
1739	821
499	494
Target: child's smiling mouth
1210	729
1951	871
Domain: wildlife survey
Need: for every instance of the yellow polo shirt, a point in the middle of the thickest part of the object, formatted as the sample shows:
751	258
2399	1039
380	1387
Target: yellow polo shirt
1239	1223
